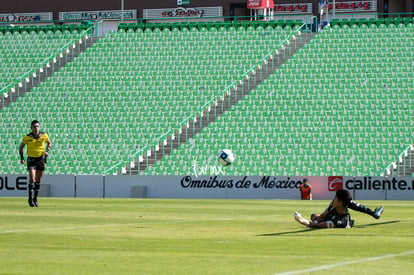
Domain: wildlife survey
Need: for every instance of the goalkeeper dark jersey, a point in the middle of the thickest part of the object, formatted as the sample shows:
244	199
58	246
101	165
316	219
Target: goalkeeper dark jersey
334	219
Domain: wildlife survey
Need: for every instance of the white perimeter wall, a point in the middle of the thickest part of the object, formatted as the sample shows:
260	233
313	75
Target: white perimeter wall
203	187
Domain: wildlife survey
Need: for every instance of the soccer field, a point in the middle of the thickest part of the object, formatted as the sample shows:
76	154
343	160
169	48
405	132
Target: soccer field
158	236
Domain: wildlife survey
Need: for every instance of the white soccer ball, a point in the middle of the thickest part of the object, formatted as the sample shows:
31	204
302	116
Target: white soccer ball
225	157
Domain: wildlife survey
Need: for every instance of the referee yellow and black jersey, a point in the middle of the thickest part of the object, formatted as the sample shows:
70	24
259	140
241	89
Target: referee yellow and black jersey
35	145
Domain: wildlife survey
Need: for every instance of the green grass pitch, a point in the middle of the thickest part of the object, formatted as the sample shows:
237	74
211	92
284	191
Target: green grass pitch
166	236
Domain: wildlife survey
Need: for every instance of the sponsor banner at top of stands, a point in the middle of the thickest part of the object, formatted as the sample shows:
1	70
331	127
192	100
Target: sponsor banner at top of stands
353	6
260	4
292	8
302	8
181	12
26	17
98	15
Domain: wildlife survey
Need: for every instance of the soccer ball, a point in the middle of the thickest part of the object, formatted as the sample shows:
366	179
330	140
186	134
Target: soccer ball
225	157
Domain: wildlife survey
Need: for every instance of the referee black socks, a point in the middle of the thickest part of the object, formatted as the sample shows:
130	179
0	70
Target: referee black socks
36	188
30	200
30	188
33	192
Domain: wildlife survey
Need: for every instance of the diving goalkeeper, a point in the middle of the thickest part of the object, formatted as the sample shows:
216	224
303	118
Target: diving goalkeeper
337	215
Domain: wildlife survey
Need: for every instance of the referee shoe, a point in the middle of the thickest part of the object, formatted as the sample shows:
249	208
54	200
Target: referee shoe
31	203
35	202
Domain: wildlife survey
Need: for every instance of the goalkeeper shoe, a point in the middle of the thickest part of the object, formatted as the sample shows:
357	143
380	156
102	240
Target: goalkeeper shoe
300	219
378	211
297	215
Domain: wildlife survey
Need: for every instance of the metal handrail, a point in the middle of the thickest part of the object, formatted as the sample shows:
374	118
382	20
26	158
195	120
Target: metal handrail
401	158
113	168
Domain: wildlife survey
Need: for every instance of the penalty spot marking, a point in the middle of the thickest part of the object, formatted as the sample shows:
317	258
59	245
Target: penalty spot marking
363	260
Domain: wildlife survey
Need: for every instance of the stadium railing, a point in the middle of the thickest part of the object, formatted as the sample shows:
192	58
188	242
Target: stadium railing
400	162
376	18
210	20
144	153
52	25
370	16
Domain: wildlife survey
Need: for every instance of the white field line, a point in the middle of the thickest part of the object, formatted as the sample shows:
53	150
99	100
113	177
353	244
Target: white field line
362	260
29	230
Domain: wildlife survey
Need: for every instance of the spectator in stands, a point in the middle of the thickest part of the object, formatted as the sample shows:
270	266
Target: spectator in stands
305	190
337	215
36	159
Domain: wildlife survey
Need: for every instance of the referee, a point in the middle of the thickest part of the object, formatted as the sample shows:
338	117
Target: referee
36	158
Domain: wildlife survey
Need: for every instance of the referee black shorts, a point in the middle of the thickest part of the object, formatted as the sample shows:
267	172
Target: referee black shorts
36	163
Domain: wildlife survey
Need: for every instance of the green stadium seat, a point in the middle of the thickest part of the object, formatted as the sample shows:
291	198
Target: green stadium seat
333	134
151	66
131	87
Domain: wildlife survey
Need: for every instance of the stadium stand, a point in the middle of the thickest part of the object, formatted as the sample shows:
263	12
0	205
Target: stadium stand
131	87
33	53
341	106
25	48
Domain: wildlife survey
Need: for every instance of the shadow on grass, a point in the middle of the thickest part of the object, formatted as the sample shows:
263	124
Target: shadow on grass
375	224
285	233
310	229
